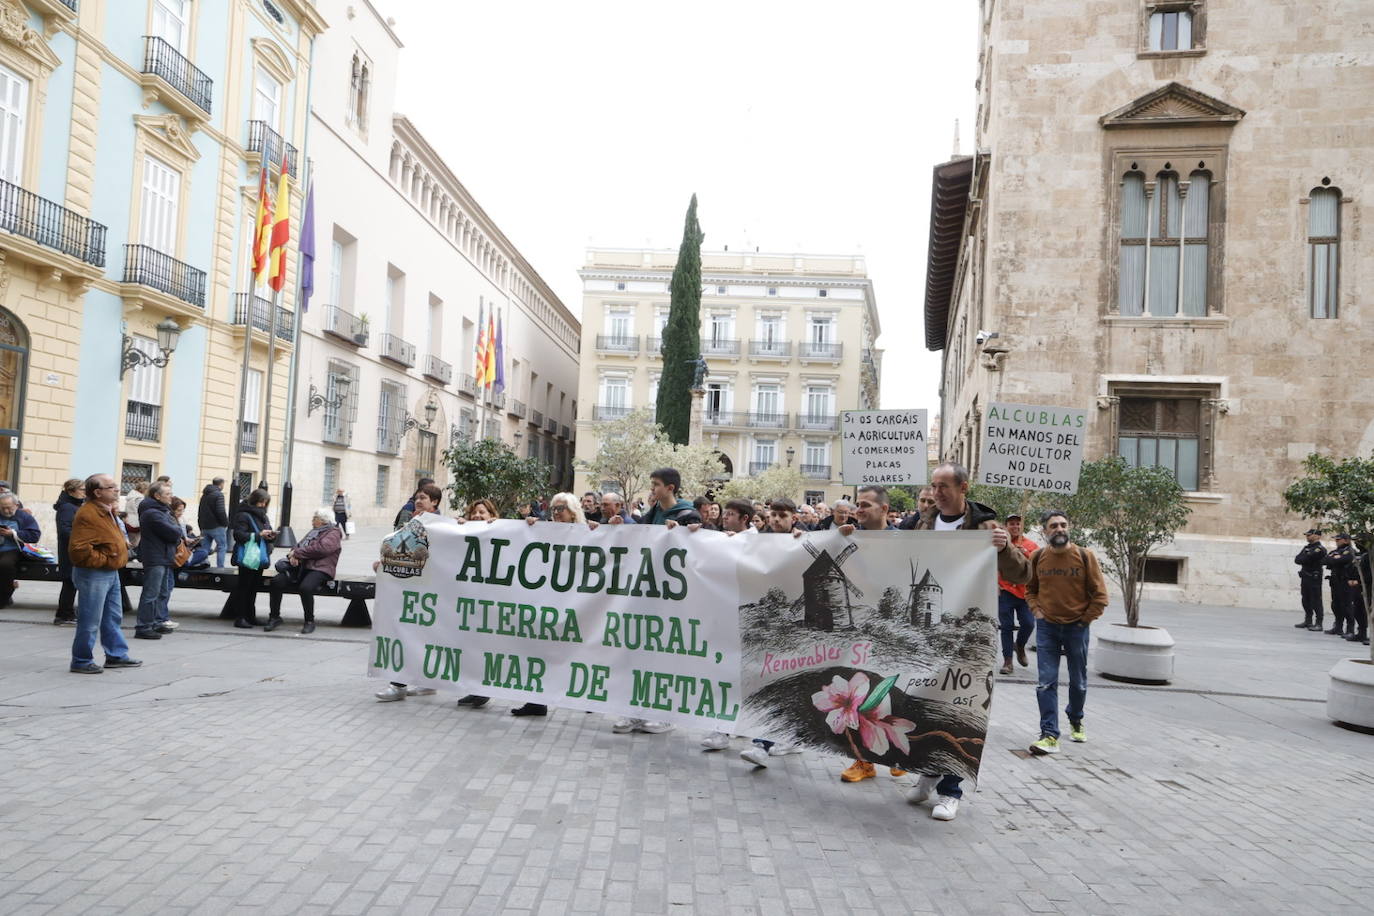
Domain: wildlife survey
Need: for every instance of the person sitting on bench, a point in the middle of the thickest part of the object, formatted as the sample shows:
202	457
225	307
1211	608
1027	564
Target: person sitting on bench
309	565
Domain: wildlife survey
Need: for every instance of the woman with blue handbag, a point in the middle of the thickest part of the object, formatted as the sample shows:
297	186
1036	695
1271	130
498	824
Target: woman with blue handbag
253	535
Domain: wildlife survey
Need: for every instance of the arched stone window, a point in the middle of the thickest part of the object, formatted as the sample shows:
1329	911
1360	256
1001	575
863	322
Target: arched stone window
1323	251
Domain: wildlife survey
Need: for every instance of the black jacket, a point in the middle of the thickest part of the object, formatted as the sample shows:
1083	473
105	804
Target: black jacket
1310	559
1341	562
160	533
65	510
211	513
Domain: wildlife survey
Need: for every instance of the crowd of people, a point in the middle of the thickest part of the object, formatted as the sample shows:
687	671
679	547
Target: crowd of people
1346	569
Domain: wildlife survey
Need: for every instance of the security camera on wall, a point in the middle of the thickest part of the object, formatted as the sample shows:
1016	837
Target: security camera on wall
984	336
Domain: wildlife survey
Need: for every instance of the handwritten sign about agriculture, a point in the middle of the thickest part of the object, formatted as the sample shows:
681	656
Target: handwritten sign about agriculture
1033	448
884	446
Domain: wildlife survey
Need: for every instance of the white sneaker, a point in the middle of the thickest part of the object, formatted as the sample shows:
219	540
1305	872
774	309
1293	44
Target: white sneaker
924	788
391	694
653	727
945	808
625	725
782	750
169	624
755	755
716	741
420	691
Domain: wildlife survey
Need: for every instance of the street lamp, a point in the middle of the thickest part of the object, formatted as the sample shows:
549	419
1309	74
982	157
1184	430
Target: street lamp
431	408
318	400
168	333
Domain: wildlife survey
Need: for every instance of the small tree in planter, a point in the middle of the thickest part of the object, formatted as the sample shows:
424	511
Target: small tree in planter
1126	512
490	469
631	447
1341	494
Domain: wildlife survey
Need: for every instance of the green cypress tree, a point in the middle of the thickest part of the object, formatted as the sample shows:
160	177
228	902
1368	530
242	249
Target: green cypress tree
682	335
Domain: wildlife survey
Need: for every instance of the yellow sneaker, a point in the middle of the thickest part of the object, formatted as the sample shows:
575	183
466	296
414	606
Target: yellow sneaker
858	771
896	772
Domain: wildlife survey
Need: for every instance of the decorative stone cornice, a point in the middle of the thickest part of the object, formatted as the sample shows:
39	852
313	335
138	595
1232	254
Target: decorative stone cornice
168	130
1173	105
14	28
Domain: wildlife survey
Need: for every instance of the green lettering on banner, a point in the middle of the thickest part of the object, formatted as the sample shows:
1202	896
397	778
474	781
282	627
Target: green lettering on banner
465	608
492	577
558	565
589	682
593	563
486	612
660	690
679	554
639	693
616	588
504	671
408	602
471	570
610	637
662	684
653	629
441	662
645	576
525	581
390	654
528	613
505	613
571	631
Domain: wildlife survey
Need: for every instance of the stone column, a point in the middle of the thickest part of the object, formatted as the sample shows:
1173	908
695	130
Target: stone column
694	425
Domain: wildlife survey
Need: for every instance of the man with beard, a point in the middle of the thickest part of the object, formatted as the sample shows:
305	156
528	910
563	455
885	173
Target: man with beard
1066	594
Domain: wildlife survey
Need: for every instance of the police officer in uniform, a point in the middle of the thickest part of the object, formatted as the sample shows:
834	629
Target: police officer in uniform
1341	561
1356	611
1310	579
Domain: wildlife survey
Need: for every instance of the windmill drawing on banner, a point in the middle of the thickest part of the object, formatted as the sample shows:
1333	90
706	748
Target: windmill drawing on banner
925	603
827	589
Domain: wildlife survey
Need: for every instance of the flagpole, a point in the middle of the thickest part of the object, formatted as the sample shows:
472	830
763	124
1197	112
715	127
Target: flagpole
235	491
275	306
293	374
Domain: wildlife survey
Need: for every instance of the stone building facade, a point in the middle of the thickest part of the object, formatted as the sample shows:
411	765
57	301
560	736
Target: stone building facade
1162	222
788	339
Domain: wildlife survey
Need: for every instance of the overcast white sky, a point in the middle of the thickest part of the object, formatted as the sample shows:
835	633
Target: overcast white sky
801	126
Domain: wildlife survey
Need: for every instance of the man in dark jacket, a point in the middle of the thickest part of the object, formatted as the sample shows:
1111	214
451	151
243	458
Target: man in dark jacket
157	551
1309	559
1341	561
668	508
64	510
17	527
213	519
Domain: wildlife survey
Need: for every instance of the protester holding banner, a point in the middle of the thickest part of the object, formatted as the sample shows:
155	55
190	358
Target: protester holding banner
613	511
1066	593
479	510
1012	609
954	511
425	502
668	507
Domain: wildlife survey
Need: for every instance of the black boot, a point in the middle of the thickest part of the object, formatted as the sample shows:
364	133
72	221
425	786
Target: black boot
1305	625
1316	625
530	709
272	623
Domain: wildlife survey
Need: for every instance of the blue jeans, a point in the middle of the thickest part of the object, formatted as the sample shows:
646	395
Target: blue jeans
216	540
152	603
1071	641
99	609
1013	611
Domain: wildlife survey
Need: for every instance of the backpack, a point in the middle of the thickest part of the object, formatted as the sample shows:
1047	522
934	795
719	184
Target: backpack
252	553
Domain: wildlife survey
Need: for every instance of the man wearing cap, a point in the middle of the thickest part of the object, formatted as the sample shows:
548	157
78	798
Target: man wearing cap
1012	609
1341	561
1309	559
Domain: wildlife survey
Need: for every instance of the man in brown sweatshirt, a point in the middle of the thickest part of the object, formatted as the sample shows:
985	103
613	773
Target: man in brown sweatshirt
98	552
1066	593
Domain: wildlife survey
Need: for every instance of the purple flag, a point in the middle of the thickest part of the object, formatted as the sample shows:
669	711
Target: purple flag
500	381
308	250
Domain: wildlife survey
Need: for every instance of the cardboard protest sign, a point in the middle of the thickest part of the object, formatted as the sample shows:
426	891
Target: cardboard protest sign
879	645
885	447
1033	448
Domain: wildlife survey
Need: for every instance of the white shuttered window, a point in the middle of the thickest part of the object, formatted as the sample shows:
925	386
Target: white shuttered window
250	409
161	187
14	103
145	381
1323	243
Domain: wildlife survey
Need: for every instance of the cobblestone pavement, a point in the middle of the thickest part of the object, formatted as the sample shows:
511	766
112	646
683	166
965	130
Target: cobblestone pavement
253	772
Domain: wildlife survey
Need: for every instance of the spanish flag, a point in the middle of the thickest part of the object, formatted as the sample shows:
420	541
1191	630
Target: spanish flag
281	230
262	231
479	371
489	370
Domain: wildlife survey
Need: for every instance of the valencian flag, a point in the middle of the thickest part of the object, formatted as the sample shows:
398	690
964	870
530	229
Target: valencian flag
308	249
479	370
500	357
281	231
262	231
489	370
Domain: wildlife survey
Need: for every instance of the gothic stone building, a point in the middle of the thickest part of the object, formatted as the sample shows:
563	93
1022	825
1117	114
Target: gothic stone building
1162	221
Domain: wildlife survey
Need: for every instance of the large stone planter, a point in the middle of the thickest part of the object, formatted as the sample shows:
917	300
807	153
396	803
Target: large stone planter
1350	694
1140	655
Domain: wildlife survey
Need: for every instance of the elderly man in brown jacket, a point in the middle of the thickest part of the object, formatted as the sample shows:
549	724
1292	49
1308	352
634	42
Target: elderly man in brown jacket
98	551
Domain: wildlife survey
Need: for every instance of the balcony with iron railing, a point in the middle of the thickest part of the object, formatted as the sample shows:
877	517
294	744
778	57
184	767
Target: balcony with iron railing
51	225
814	421
467	384
262	316
816	471
438	370
517	408
810	349
392	347
615	343
54	12
770	349
653	347
610	411
758	467
165	68
345	326
267	147
143	421
144	266
536	418
767	419
564	433
720	346
250	438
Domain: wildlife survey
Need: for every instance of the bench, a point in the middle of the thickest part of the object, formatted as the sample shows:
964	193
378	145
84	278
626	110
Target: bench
357	591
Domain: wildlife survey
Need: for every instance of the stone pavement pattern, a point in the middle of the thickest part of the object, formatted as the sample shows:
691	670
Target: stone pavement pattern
253	772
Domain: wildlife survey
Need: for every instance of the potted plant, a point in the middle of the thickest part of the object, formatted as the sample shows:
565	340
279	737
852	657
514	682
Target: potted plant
360	335
1126	512
1341	495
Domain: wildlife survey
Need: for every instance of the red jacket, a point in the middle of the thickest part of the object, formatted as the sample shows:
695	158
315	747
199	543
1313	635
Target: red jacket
1028	547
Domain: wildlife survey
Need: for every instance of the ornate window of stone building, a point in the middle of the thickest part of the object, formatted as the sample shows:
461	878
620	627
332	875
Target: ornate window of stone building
1173	28
1323	251
359	86
1167	226
1166	424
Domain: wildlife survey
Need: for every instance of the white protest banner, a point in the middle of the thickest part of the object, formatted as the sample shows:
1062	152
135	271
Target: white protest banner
1033	448
884	447
880	645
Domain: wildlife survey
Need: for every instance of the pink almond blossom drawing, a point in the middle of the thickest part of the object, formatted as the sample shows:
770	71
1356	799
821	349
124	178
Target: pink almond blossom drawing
878	729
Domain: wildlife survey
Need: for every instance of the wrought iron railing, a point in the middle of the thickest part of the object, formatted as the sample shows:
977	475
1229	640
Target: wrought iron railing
720	347
438	370
609	411
269	145
564	432
550	426
536	418
467	384
770	349
817	421
816	471
498	400
812	350
70	4
51	225
345	325
250	438
654	347
768	419
143	421
518	408
262	316
150	267
397	350
615	343
758	467
162	60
